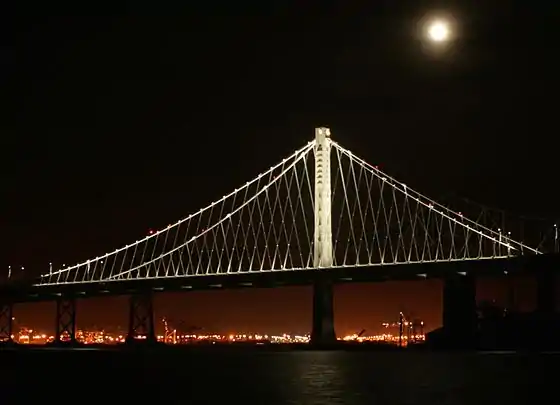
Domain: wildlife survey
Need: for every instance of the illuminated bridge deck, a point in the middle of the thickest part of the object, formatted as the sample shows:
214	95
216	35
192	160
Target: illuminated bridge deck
485	267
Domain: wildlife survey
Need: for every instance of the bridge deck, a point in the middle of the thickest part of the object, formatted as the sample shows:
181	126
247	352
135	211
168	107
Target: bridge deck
488	267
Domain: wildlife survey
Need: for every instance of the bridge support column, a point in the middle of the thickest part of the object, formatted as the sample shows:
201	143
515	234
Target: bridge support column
546	292
65	331
6	322
323	332
323	314
547	328
460	320
141	318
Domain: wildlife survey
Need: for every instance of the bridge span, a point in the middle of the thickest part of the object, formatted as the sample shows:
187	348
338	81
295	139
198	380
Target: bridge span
299	224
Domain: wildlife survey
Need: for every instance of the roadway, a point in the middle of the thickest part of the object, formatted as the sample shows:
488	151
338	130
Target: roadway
27	292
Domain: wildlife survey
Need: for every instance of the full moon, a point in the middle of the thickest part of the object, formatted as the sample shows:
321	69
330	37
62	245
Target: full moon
438	31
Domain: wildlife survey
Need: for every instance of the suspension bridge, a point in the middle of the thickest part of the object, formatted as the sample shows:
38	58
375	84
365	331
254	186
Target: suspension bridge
321	215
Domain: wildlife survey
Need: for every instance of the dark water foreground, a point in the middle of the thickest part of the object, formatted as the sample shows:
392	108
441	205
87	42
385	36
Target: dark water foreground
275	377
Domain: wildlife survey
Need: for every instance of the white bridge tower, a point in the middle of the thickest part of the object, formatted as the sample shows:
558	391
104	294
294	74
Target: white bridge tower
323	315
323	247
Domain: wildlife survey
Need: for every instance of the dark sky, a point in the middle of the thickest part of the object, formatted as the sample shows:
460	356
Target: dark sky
118	124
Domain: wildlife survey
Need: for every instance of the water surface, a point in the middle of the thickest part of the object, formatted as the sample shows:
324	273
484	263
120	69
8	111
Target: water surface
270	378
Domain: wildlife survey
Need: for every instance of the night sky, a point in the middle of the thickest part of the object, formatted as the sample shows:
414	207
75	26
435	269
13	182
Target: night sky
116	125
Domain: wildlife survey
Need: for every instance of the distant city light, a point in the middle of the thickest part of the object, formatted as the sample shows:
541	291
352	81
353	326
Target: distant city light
171	336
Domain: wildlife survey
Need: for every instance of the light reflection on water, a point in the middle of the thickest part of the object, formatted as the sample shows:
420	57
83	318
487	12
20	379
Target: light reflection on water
303	378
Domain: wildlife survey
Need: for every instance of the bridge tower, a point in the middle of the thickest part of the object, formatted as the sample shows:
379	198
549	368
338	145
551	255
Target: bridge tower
65	332
323	312
141	318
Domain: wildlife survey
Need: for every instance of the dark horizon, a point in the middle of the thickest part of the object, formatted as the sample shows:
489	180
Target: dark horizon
124	124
